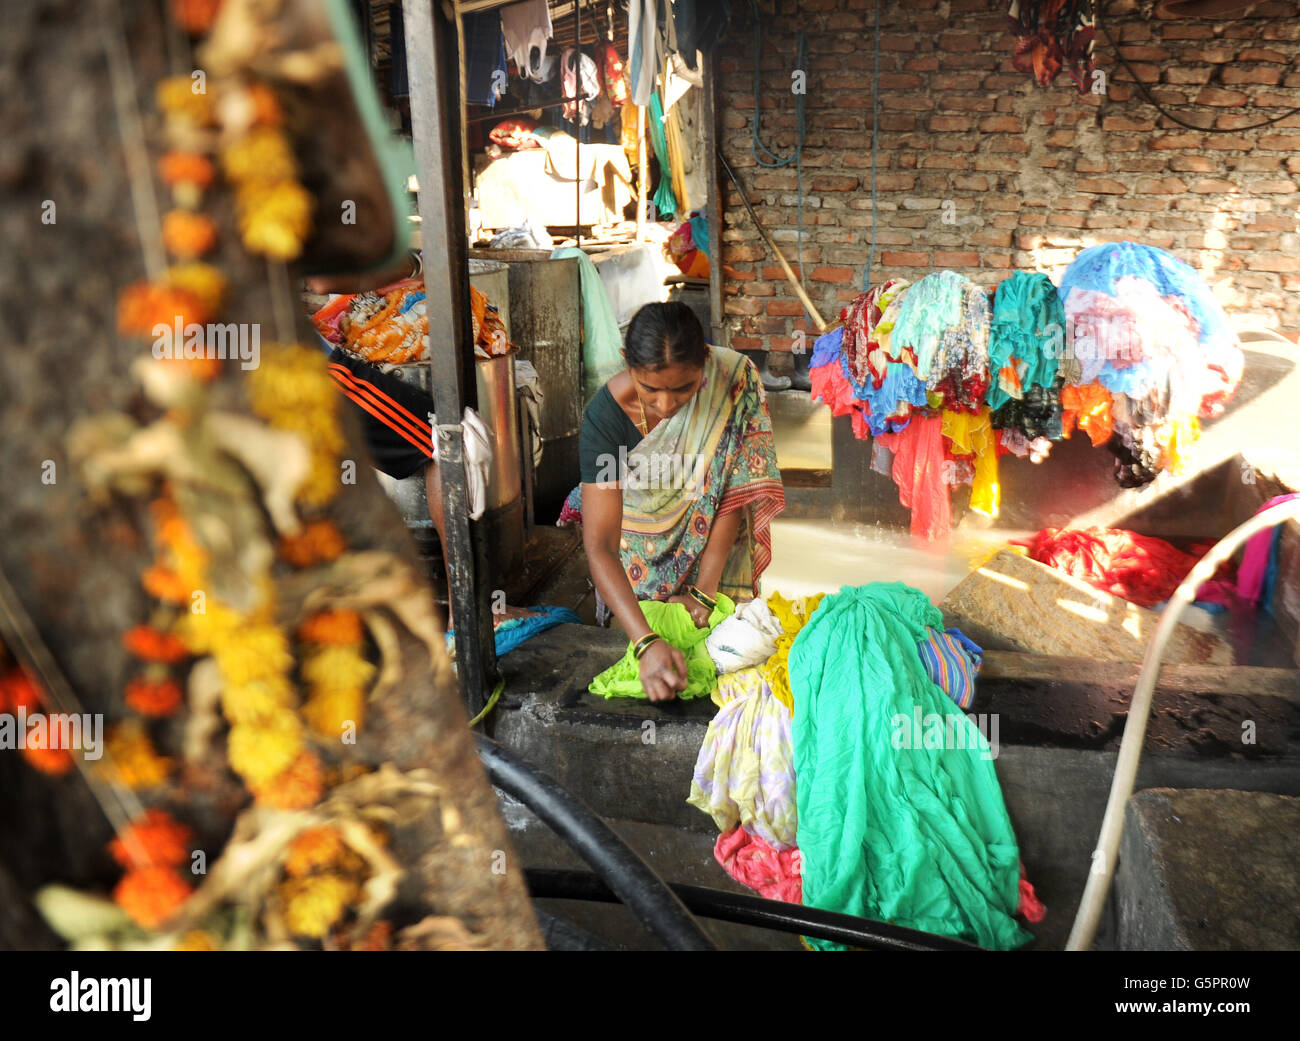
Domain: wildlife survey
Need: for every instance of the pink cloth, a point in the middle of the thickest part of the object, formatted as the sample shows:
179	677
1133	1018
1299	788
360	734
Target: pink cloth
1254	558
753	863
918	472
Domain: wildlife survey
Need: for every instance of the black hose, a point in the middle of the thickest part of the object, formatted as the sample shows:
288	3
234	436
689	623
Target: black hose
547	884
631	880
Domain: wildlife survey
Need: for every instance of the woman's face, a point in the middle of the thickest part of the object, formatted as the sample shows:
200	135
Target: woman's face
665	391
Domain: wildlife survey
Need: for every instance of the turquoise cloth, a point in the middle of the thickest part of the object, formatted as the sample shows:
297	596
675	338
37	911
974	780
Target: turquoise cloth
889	829
664	199
602	345
1025	309
931	307
673	622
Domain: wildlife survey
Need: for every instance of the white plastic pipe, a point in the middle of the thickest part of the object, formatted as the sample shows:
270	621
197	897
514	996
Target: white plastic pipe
1135	729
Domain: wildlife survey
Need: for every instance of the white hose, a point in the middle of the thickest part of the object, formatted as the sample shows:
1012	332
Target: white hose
1135	729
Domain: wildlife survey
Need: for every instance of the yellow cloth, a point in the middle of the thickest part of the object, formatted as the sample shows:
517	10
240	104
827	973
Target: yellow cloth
973	435
793	616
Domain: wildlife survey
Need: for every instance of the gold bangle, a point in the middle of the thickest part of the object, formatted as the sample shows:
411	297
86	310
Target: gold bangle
703	599
642	645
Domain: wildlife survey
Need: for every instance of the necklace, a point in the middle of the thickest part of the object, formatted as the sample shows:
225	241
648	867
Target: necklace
642	426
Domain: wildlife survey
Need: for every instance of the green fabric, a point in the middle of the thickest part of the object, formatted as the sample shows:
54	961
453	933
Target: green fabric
602	344
664	199
672	622
1025	308
915	836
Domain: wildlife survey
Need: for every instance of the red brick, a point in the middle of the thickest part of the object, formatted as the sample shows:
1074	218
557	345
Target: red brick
763	181
897	121
1269	99
834	183
1160	186
946	162
1274	187
1100	186
907	102
1224	143
967	258
1280	142
905	259
945	124
1060	139
972	183
1263	54
1256	163
839	275
991	237
1188	75
1002	125
742	305
960	42
742	253
1214	55
902	81
1124	123
954	81
1009	144
1086	165
1176	141
746	343
1272	262
786	308
1192	164
1210	186
1187	31
895	182
1220	98
1233	74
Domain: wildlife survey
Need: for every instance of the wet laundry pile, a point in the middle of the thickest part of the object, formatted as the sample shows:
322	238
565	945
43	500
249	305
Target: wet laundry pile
814	742
1132	349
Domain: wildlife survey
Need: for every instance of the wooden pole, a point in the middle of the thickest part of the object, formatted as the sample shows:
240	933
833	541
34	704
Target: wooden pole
642	174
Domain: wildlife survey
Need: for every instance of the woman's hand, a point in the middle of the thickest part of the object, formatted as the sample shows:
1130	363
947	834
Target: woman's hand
699	613
662	670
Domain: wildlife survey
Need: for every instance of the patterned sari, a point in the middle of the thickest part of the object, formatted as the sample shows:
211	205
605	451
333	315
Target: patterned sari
715	456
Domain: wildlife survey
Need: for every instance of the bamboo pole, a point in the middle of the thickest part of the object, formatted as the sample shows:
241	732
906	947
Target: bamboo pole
641	174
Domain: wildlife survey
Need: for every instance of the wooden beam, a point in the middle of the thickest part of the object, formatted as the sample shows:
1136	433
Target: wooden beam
1241	680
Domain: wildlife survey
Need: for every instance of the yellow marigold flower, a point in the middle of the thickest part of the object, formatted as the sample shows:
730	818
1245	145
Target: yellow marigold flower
264	154
134	761
217	626
319	540
255	651
314	848
259	752
291	379
247	704
197	940
328	710
322	485
297	788
316	903
336	666
178	98
204	281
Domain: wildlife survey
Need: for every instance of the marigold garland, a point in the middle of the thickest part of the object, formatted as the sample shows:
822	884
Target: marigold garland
195	16
187	168
315	848
136	763
151	895
258	752
188	236
318	542
163	840
150	644
297	788
155	699
315	903
337	627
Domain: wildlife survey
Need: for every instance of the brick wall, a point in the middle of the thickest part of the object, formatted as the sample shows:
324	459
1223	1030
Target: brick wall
982	171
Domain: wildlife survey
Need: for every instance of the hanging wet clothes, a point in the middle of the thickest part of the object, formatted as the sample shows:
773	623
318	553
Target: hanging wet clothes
972	435
643	49
485	58
1027	333
1088	408
918	471
888	829
602	343
526	28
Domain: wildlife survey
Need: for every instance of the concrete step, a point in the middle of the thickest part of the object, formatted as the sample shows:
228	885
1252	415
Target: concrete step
1209	870
632	762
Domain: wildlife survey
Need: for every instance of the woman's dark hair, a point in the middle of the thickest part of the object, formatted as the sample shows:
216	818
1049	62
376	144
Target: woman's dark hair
665	334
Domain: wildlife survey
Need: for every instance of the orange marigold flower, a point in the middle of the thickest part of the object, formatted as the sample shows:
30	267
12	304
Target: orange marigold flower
317	542
178	98
143	306
379	937
205	282
314	848
154	699
165	585
18	689
151	895
163	842
333	627
152	644
195	16
297	788
53	761
266	106
188	235
187	168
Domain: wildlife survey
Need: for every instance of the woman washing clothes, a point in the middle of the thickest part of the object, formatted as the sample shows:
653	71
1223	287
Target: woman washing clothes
679	483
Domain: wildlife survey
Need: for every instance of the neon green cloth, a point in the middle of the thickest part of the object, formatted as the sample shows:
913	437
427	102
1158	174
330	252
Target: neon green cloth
672	622
890	829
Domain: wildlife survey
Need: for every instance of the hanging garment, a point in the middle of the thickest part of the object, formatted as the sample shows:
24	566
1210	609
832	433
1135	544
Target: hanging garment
918	472
1027	333
1052	35
748	859
614	72
642	49
744	774
1037	414
1258	571
526	26
674	623
951	660
972	435
891	827
931	307
664	199
580	81
485	60
1087	407
960	369
1139	568
602	344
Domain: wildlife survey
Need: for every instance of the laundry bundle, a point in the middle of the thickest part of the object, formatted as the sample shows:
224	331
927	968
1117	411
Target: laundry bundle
940	855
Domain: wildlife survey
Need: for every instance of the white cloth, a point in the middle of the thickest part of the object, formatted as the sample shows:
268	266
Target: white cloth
747	638
476	447
642	48
526	27
529	384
